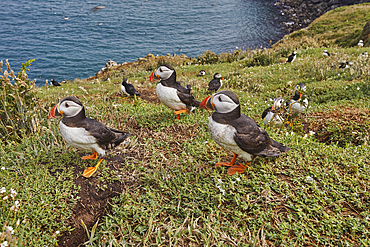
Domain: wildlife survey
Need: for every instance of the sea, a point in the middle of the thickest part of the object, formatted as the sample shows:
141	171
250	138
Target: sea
74	39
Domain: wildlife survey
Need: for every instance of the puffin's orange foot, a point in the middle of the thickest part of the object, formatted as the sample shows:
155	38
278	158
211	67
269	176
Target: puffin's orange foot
236	168
222	164
179	112
90	157
91	170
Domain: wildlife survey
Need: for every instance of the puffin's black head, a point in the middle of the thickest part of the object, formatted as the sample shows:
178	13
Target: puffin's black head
68	107
217	76
124	81
163	72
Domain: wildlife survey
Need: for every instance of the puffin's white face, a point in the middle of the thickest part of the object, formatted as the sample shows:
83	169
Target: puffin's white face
278	102
163	72
300	87
218	76
70	108
223	104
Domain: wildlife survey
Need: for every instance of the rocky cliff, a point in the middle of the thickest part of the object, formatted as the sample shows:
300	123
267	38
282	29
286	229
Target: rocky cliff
303	12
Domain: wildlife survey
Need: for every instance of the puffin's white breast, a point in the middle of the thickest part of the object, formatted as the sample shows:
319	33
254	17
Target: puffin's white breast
123	89
273	119
223	135
168	96
80	138
298	106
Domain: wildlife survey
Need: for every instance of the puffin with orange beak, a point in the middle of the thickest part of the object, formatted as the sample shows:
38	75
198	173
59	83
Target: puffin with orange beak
299	101
271	117
171	93
238	133
215	84
85	133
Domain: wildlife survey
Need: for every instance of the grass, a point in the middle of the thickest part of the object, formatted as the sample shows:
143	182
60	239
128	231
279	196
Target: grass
314	195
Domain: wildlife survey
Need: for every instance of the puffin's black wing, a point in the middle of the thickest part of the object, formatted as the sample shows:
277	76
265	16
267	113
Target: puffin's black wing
188	99
254	140
130	89
106	137
214	85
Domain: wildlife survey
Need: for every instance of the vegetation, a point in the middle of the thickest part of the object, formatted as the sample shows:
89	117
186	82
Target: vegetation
169	192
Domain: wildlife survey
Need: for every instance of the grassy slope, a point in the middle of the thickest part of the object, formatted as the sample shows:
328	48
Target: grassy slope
316	194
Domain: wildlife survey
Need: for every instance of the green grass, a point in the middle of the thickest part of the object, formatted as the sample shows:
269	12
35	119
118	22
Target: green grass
316	194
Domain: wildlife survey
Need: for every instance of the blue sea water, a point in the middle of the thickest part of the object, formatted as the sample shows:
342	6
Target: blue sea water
70	41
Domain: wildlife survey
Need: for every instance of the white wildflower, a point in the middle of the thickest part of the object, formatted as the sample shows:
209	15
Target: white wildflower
358	88
15	207
4	244
2	190
3	168
311	133
9	230
309	179
13	193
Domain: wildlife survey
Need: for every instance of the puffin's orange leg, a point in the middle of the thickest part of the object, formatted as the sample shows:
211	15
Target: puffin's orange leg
91	170
237	168
227	164
179	112
90	157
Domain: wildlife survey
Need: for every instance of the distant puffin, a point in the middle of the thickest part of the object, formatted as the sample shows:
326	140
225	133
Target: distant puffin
85	133
202	73
299	101
54	82
365	54
345	65
238	133
360	44
271	117
292	57
171	93
326	53
129	89
215	84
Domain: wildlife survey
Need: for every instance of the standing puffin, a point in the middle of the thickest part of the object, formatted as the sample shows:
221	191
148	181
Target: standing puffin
171	93
297	104
215	84
85	133
345	65
54	82
360	44
326	53
129	89
271	117
292	57
238	133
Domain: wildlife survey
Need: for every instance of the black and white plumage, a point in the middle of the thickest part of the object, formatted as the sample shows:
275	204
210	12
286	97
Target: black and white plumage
215	84
128	88
271	117
202	73
360	43
85	133
171	93
299	101
326	53
365	54
54	82
238	133
292	57
346	65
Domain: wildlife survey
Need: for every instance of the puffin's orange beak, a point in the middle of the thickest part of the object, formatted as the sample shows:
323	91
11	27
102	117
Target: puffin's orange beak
273	106
55	112
207	104
154	77
222	78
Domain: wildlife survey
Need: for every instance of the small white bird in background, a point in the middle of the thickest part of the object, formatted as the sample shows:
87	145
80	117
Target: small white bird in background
360	44
326	53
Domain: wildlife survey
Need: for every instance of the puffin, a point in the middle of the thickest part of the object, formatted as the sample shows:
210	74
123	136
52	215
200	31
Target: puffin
238	133
85	133
129	89
271	117
299	101
360	44
202	73
345	65
54	82
171	93
215	84
365	54
326	53
292	57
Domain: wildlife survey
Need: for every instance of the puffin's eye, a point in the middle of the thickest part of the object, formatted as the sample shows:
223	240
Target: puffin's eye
219	99
160	70
66	105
